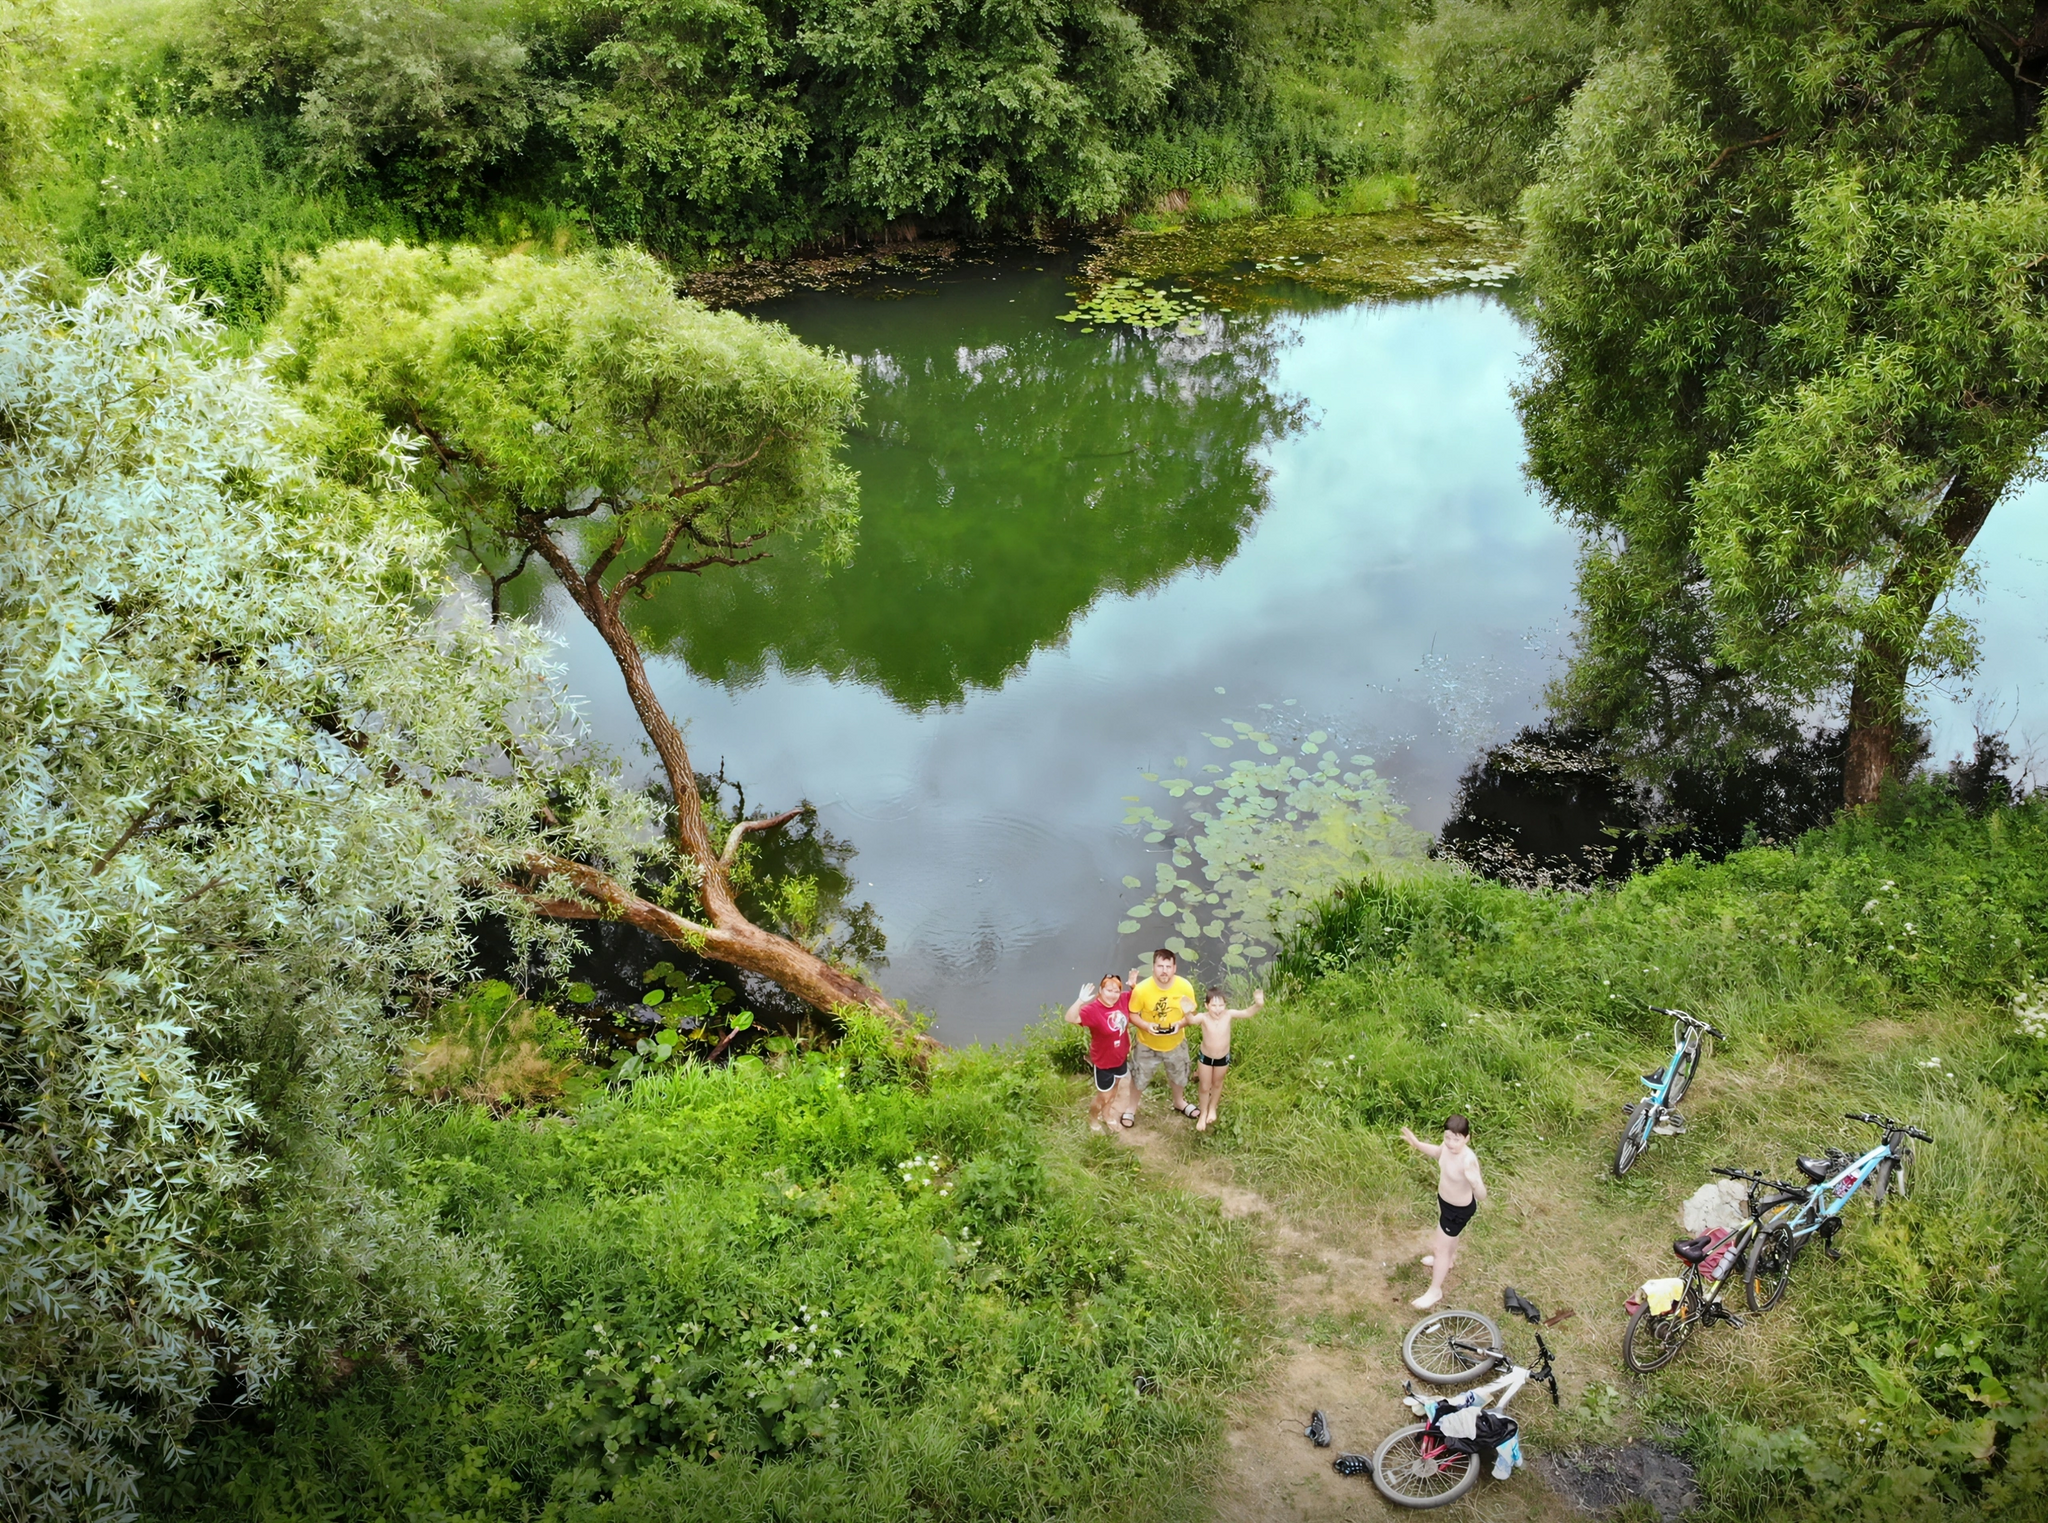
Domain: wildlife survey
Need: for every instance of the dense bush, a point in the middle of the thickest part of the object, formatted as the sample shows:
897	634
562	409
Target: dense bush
231	139
425	97
213	670
824	1288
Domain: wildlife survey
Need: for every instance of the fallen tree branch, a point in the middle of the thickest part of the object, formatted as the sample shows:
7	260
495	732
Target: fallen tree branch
732	842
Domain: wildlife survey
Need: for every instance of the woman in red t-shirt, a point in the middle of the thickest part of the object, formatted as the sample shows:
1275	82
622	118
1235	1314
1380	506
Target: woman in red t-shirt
1104	1010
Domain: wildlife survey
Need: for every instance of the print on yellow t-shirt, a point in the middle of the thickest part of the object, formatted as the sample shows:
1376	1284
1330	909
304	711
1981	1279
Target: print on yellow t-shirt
1161	1007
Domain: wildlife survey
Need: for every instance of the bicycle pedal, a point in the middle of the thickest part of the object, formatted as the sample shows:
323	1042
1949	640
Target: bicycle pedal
1672	1125
1732	1320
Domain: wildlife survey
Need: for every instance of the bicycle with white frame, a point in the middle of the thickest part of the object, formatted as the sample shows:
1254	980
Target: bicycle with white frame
1420	1465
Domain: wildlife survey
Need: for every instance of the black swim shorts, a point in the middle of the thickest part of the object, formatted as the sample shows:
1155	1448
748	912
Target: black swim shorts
1209	1062
1105	1078
1453	1218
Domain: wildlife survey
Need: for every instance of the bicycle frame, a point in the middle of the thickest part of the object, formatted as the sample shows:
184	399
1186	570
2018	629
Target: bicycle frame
1660	1087
1494	1396
1831	1196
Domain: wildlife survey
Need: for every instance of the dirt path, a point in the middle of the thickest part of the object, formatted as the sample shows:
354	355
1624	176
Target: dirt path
1341	1292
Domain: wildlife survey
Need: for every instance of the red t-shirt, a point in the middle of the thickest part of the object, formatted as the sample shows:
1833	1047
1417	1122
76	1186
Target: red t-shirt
1109	1029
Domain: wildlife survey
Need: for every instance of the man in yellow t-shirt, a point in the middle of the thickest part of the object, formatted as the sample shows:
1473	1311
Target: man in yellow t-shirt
1160	1006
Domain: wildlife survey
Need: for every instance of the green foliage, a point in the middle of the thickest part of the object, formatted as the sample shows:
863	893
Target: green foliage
28	48
831	1292
582	387
491	1047
422	97
232	138
1491	79
226	201
216	669
688	1023
1792	353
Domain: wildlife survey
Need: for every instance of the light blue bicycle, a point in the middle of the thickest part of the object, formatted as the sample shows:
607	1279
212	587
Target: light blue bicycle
1836	1179
1656	1112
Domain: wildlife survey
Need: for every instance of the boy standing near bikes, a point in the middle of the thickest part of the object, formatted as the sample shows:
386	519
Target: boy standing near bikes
1459	1191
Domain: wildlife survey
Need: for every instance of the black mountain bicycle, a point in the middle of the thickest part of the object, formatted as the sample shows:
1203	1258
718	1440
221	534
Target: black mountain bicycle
1664	1313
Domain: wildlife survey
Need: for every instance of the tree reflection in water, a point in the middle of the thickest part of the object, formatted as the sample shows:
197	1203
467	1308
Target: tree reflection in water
1012	471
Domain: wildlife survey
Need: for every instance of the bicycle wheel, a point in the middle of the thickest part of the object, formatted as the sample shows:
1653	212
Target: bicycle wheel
1652	1340
1409	1477
1892	1179
1688	1066
1768	1268
1428	1353
1634	1138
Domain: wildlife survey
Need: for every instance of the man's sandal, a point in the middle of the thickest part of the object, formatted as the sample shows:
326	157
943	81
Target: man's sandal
1129	1119
1188	1108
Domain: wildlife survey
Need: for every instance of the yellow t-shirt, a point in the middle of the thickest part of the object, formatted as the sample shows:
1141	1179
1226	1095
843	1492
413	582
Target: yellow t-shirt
1161	1007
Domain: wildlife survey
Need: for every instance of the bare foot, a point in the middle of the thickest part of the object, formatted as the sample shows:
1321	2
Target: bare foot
1202	1125
1429	1260
1426	1300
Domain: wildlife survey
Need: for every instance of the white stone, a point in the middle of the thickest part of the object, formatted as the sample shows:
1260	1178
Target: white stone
1718	1204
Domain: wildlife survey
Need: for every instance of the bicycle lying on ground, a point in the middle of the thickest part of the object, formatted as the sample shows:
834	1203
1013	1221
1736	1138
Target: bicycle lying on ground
1667	1087
1836	1179
1438	1460
1666	1311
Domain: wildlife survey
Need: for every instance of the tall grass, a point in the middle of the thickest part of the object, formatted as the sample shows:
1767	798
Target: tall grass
835	1291
1872	966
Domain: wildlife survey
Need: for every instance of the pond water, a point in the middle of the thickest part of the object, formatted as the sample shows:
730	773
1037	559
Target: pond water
1084	555
1081	555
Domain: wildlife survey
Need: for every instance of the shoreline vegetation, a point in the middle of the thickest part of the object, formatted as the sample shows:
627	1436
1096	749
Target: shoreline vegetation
823	1278
304	1222
230	140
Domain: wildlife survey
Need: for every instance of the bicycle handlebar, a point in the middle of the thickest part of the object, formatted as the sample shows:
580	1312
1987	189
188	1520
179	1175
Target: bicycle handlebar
1759	1179
1690	1020
1887	1123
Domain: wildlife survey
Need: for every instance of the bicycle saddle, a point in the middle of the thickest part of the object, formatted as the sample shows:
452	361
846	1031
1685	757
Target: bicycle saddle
1692	1249
1815	1169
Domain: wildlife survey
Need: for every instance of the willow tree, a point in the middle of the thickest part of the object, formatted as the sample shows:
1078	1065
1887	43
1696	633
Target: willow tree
579	417
1794	345
256	777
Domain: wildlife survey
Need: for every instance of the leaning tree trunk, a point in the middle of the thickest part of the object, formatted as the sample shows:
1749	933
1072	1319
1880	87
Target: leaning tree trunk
1877	699
726	934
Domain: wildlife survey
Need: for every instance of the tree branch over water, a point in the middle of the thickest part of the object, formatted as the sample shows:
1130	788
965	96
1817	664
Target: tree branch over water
580	414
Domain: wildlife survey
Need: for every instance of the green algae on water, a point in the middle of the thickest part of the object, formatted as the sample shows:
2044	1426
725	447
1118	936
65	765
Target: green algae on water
1129	300
1278	261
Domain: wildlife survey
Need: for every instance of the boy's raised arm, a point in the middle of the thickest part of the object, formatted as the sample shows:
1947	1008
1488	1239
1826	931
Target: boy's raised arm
1258	1004
1426	1149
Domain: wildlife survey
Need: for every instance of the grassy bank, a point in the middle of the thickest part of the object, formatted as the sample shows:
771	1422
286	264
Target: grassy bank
1871	967
832	1286
828	1289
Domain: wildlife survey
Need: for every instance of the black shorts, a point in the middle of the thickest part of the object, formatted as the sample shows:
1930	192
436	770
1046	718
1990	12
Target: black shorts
1105	1078
1209	1062
1453	1218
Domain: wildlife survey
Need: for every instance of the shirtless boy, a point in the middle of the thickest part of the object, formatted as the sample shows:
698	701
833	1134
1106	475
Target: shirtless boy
1459	1191
1104	1011
1215	1022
